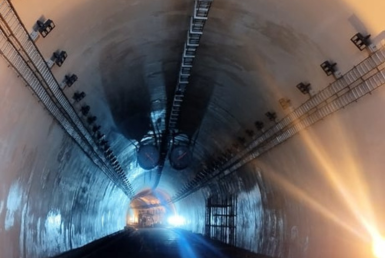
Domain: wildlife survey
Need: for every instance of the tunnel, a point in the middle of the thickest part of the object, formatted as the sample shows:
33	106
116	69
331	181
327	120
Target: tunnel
255	124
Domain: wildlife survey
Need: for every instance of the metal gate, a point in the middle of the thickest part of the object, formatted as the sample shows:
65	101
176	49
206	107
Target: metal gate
221	212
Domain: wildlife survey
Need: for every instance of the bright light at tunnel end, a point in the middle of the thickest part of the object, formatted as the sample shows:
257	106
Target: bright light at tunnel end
379	247
176	221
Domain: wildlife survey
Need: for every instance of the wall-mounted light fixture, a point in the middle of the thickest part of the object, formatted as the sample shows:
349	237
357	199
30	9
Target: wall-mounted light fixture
69	80
304	88
45	27
285	103
91	119
361	41
78	96
85	110
96	128
259	125
330	69
250	133
59	57
272	116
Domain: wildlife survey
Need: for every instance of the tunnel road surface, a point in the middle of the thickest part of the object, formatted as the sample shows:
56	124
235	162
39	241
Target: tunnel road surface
159	242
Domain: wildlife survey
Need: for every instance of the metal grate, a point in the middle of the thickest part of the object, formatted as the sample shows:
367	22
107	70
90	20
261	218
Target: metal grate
221	213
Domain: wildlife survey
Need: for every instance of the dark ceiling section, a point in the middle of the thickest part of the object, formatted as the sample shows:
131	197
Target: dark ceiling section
128	98
195	105
139	71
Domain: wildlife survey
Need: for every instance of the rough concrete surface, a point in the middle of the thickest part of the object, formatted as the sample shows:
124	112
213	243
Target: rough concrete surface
312	196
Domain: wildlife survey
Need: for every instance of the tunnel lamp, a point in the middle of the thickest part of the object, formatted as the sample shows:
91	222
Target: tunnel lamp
328	68
78	96
272	116
361	41
45	27
250	133
285	103
91	119
59	57
85	110
304	88
69	80
259	125
96	128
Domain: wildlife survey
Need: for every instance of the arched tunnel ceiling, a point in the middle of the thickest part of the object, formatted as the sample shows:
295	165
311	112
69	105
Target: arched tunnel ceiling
304	198
127	55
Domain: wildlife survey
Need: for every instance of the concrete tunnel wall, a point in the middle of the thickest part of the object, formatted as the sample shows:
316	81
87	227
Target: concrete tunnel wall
292	201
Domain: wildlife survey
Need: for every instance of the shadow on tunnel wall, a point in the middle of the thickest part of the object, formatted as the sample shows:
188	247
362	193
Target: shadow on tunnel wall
127	95
197	99
136	91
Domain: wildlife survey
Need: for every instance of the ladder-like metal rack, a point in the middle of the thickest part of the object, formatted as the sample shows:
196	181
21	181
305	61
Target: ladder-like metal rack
356	83
194	34
24	57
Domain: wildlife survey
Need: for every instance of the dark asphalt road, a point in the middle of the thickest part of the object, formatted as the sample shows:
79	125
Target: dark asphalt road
158	243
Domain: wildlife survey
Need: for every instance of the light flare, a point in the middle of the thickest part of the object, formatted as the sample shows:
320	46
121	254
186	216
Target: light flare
176	220
341	169
379	247
345	177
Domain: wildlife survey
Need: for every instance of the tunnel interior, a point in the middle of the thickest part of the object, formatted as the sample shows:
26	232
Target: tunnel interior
254	123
